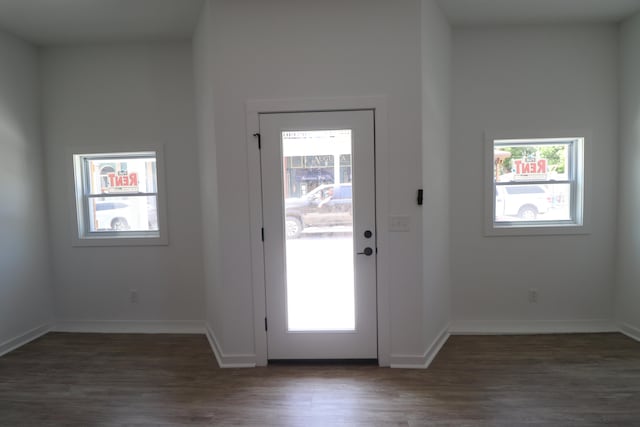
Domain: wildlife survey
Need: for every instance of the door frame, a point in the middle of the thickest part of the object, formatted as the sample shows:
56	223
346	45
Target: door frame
378	104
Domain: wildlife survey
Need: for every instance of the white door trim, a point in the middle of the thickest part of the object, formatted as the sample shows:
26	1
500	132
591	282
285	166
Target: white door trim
379	105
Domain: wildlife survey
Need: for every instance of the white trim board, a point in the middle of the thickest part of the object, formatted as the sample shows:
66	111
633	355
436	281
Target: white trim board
378	104
507	327
397	360
630	331
131	326
421	361
582	166
13	343
229	360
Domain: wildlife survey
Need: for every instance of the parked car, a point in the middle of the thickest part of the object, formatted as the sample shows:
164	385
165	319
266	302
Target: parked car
112	216
523	201
327	205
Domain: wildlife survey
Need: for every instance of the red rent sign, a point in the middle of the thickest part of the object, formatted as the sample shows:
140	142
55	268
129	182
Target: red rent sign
538	166
127	180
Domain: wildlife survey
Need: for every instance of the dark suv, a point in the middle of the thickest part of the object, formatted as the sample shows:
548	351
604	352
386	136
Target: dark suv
325	206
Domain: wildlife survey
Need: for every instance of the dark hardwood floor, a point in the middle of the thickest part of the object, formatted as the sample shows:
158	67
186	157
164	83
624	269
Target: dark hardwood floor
104	379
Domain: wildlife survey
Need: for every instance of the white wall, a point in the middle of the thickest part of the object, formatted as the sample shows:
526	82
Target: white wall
25	295
533	78
123	95
628	290
436	123
305	49
204	65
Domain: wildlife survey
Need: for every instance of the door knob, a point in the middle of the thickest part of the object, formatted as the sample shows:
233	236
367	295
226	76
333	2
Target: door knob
367	251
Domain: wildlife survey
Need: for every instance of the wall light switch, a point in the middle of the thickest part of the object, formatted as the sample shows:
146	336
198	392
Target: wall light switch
399	223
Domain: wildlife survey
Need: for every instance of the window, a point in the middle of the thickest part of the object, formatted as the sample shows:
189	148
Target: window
537	185
118	199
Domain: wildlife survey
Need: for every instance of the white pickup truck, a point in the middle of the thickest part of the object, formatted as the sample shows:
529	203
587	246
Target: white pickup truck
525	201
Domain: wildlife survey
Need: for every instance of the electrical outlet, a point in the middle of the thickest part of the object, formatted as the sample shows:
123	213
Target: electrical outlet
133	296
533	296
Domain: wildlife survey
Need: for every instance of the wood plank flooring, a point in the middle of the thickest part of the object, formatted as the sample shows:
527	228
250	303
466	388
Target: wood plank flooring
159	380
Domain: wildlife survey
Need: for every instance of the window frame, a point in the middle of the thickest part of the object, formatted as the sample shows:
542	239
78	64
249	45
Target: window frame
81	236
578	180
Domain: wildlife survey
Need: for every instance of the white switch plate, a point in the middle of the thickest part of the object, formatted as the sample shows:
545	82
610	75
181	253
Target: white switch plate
399	223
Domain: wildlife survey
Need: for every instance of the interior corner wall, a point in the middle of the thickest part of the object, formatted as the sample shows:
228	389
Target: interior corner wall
436	124
25	292
122	95
534	78
628	283
208	160
290	49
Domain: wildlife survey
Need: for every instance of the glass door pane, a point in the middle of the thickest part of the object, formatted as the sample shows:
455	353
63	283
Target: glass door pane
319	248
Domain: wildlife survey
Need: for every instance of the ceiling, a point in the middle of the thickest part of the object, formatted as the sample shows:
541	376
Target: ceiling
496	12
51	22
55	22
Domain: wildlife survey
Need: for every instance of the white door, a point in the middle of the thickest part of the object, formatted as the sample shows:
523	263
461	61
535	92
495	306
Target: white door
319	234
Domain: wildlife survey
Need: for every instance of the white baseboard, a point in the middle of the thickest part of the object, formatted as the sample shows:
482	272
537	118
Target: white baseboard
505	327
420	361
630	331
131	326
229	360
23	339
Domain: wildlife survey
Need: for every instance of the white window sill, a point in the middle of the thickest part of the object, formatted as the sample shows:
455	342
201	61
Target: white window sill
120	241
535	230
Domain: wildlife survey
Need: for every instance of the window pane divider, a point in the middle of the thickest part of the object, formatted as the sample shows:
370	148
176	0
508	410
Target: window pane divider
499	183
109	195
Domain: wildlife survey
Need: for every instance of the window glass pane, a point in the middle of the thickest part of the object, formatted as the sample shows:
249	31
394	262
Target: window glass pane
132	213
536	183
532	202
319	230
109	175
521	163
